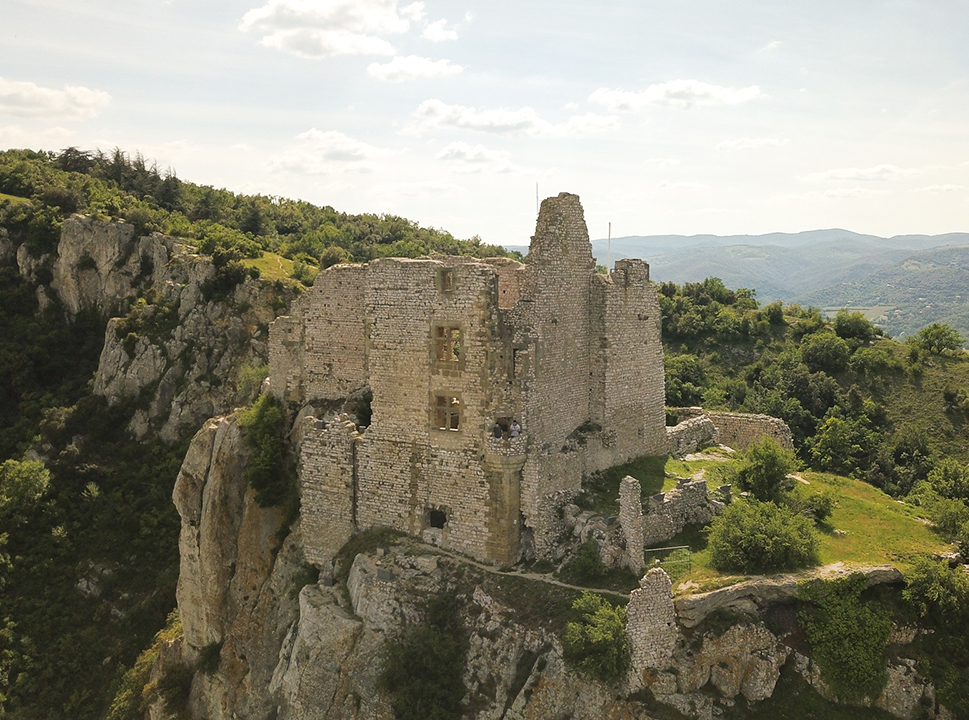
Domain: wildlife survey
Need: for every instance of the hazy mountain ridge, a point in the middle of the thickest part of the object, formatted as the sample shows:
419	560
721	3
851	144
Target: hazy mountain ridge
907	281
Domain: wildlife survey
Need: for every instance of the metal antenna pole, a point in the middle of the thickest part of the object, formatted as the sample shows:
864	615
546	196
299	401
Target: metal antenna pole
609	250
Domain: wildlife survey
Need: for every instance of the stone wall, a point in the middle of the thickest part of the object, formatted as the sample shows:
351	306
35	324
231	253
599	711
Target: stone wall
735	430
692	434
651	623
631	521
327	486
689	503
575	357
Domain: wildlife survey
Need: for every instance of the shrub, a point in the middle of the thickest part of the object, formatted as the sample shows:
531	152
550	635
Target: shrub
847	636
586	567
264	432
423	670
824	351
938	338
854	325
764	469
950	479
596	644
761	537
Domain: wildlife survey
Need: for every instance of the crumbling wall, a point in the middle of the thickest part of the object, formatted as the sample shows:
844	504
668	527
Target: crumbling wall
738	430
735	430
631	521
327	486
651	623
690	435
689	503
319	350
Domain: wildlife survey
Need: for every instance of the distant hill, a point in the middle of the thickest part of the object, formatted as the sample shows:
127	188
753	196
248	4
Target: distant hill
904	282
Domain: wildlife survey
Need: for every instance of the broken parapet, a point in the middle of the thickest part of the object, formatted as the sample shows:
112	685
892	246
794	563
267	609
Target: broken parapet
736	430
631	521
651	622
688	503
691	435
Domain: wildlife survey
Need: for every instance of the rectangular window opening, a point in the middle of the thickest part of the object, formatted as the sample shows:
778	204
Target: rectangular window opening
448	411
447	280
447	340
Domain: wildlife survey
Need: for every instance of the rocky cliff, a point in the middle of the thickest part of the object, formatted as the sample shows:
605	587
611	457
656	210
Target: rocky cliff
178	343
293	649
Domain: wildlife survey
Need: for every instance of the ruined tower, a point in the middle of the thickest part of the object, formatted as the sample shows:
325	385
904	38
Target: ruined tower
449	348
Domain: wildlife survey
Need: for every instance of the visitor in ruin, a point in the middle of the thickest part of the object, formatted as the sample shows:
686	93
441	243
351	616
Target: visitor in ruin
497	431
515	429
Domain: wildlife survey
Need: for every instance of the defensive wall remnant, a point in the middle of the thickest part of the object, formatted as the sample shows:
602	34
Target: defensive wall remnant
697	428
449	348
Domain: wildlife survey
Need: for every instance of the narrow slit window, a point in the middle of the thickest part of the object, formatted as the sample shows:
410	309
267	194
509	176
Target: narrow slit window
448	411
447	280
448	343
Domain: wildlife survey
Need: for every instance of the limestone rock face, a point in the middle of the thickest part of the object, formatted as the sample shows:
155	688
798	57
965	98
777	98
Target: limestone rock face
101	264
235	578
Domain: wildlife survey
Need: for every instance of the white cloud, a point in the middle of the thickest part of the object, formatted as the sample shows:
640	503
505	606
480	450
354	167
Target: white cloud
322	151
326	28
434	114
675	93
684	185
747	143
436	32
17	136
412	67
27	99
878	172
772	45
948	187
832	194
477	158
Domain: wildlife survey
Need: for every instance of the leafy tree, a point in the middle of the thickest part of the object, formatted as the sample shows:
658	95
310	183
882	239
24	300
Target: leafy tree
938	338
854	325
764	468
596	644
842	445
22	484
950	479
753	536
824	351
847	636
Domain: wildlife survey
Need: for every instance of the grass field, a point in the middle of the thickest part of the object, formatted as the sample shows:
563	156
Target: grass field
867	527
271	266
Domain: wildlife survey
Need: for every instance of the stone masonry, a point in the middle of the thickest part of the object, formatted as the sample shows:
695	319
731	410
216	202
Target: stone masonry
651	622
688	503
698	428
450	347
631	521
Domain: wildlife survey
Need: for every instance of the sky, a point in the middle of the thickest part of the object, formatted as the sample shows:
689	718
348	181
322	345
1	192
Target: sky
664	116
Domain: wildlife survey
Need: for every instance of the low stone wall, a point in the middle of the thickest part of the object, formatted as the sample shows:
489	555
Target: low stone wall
688	503
690	435
735	430
738	430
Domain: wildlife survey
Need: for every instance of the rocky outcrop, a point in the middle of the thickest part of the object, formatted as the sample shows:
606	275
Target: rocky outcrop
236	579
101	265
752	596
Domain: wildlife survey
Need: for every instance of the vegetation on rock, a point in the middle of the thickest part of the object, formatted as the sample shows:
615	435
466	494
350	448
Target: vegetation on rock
596	643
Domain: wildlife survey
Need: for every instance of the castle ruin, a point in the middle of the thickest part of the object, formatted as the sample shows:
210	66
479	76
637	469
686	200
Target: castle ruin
449	348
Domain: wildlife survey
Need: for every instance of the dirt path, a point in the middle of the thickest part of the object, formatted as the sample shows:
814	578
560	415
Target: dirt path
540	577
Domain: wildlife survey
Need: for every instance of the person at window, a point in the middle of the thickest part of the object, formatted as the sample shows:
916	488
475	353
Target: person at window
514	429
497	431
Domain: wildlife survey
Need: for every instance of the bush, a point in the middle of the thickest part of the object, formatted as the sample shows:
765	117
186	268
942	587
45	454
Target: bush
847	636
586	567
764	469
824	351
854	325
597	644
938	338
423	670
264	432
950	479
752	537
